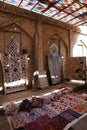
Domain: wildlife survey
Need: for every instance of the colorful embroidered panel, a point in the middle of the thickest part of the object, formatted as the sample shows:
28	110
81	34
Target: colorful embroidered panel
54	63
14	72
75	64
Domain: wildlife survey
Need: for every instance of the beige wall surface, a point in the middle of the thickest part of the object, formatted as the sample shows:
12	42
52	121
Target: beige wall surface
36	34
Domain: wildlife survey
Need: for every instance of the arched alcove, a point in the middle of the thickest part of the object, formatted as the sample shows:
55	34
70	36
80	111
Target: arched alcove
54	64
80	49
57	39
24	42
61	48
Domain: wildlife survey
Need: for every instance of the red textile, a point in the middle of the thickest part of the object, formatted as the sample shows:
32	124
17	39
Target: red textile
32	126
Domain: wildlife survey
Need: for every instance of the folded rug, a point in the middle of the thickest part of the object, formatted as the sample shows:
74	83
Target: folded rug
67	116
59	123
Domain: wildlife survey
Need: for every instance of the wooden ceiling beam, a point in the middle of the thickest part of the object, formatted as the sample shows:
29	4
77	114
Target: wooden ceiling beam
20	3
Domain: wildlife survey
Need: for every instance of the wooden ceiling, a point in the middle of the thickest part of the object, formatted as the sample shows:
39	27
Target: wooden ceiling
73	12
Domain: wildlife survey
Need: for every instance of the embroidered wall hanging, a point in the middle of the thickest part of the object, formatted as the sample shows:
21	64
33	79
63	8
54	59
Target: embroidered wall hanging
54	64
14	68
73	65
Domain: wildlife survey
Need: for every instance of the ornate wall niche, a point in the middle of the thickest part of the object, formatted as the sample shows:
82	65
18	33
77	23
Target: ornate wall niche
55	38
23	40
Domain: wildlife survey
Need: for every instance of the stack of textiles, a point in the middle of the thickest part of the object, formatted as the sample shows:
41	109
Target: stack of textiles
47	123
62	108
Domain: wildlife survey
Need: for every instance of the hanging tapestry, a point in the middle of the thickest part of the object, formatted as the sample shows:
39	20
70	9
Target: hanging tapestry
54	64
14	67
74	67
14	72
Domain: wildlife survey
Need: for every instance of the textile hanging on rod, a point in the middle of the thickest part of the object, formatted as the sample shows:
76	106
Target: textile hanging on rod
14	72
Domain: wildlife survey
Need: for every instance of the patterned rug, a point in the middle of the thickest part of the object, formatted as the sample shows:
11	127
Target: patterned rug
19	120
48	126
33	115
32	126
68	107
22	118
43	119
67	116
46	123
73	113
65	102
80	108
45	110
59	122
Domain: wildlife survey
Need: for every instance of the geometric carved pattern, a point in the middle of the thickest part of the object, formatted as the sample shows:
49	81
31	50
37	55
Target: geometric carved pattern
12	47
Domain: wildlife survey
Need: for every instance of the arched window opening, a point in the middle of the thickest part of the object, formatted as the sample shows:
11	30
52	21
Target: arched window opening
80	49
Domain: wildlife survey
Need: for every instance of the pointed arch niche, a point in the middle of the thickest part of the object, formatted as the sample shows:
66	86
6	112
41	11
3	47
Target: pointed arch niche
15	34
54	43
61	44
54	64
80	49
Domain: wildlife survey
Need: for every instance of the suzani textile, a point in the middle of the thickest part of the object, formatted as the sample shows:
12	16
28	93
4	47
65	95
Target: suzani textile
14	72
54	64
55	116
73	65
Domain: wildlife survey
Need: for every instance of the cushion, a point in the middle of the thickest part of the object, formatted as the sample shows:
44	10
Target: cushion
11	109
26	105
37	102
47	99
55	96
